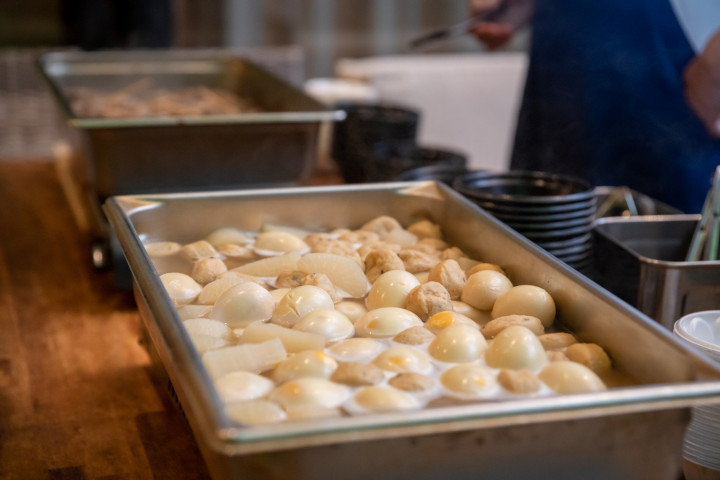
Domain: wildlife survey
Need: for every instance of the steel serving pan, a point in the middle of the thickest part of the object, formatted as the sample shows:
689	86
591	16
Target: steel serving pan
623	433
642	260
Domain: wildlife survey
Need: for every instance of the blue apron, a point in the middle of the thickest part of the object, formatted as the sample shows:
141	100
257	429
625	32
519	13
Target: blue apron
604	101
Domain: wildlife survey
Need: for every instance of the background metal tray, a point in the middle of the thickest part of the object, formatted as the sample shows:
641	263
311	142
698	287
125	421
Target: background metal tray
623	433
642	260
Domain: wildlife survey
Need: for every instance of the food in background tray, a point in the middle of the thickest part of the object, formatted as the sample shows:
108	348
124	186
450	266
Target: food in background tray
140	99
354	331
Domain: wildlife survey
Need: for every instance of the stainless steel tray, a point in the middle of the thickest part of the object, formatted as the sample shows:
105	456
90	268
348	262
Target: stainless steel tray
133	155
624	433
642	260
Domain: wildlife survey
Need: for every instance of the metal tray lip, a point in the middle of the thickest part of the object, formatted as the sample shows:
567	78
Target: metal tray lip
222	435
669	264
47	61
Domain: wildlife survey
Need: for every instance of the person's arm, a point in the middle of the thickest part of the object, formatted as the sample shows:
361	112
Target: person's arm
497	34
702	85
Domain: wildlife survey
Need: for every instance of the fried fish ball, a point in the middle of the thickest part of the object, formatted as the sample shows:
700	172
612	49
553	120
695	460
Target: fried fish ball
591	355
493	327
425	229
381	260
206	270
449	274
519	381
428	299
381	225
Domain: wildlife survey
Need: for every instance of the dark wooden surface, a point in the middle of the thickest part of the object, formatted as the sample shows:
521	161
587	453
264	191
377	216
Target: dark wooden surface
77	400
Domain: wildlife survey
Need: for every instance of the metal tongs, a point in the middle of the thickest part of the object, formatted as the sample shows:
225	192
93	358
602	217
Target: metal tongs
705	240
461	28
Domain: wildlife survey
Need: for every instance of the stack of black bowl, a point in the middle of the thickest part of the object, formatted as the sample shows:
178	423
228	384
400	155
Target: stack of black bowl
377	143
554	211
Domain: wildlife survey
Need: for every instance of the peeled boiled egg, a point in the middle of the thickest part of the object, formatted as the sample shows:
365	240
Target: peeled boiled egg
181	288
516	347
458	344
279	241
571	377
330	323
352	309
310	363
386	322
483	288
469	380
391	289
310	392
402	359
298	302
212	291
526	300
356	349
225	235
239	386
442	320
383	399
243	304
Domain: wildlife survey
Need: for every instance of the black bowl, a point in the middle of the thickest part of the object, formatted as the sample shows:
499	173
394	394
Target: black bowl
439	173
524	188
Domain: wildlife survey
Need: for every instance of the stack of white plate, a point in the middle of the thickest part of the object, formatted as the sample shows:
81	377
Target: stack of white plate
702	439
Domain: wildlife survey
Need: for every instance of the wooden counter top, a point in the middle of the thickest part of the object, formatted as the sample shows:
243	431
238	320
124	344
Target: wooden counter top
77	399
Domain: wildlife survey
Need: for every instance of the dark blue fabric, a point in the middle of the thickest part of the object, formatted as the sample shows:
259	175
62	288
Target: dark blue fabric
604	101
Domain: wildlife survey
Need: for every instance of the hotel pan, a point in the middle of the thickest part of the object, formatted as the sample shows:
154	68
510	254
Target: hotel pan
275	147
642	260
623	433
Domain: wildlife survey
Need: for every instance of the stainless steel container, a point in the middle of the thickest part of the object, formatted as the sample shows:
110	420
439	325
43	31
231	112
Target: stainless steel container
131	155
276	147
623	433
641	259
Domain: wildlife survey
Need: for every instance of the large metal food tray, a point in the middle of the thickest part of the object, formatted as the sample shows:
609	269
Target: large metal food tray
624	433
642	260
133	155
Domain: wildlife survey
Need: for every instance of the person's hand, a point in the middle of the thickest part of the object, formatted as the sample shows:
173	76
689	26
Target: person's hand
493	35
497	33
702	85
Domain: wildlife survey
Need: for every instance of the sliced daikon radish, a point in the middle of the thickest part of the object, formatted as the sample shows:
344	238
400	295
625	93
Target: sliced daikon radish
293	340
207	326
271	266
187	312
203	343
248	357
342	271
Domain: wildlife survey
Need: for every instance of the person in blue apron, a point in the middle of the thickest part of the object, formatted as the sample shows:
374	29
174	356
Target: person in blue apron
605	99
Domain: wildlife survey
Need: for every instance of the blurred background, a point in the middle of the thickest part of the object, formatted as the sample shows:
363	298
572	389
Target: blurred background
467	96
